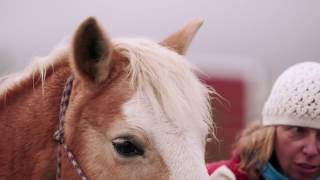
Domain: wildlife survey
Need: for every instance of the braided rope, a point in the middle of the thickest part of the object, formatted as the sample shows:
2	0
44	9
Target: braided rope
59	134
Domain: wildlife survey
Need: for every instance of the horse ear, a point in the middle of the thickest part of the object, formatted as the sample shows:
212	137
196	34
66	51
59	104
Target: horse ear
180	40
91	52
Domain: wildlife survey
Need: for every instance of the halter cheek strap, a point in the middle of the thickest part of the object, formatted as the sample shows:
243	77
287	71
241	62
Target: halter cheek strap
59	134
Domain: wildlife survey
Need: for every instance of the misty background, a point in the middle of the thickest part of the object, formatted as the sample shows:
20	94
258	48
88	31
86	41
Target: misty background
248	39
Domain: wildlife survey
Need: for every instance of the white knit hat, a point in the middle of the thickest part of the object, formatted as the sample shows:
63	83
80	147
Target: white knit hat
295	97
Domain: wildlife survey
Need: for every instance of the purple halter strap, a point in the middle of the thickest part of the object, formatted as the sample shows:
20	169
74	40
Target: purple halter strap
59	134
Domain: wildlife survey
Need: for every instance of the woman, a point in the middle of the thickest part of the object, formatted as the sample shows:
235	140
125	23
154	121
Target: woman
286	144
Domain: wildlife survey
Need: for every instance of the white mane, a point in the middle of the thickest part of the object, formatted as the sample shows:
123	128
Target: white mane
166	77
168	80
39	65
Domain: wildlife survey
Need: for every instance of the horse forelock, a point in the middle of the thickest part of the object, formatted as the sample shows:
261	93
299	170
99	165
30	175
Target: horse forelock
168	80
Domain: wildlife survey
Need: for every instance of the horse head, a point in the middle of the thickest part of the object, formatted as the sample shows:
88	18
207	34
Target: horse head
137	109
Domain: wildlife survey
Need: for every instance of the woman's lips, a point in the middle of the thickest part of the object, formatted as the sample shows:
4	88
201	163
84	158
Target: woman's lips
306	168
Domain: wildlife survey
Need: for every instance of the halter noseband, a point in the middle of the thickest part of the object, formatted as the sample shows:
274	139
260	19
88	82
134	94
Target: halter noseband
59	134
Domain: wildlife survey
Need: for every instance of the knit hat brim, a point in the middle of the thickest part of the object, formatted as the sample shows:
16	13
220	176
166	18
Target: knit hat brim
291	121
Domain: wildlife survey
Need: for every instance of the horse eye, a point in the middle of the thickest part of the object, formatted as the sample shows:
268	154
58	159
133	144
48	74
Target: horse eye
127	147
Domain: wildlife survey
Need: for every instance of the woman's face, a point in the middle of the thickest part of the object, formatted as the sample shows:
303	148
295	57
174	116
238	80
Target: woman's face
298	152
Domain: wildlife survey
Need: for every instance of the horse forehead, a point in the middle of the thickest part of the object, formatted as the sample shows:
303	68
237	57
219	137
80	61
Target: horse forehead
181	147
139	113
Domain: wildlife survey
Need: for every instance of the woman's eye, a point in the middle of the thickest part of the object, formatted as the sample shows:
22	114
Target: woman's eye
127	148
297	130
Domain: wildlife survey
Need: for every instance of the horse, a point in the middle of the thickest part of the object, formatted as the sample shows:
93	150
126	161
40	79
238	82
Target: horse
101	108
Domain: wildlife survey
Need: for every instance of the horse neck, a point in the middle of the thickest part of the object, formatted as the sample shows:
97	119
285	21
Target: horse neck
28	118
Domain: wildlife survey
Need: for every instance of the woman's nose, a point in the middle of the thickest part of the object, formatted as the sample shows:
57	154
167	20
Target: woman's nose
311	145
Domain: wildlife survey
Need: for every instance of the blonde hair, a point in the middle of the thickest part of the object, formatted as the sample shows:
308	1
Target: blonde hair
255	147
